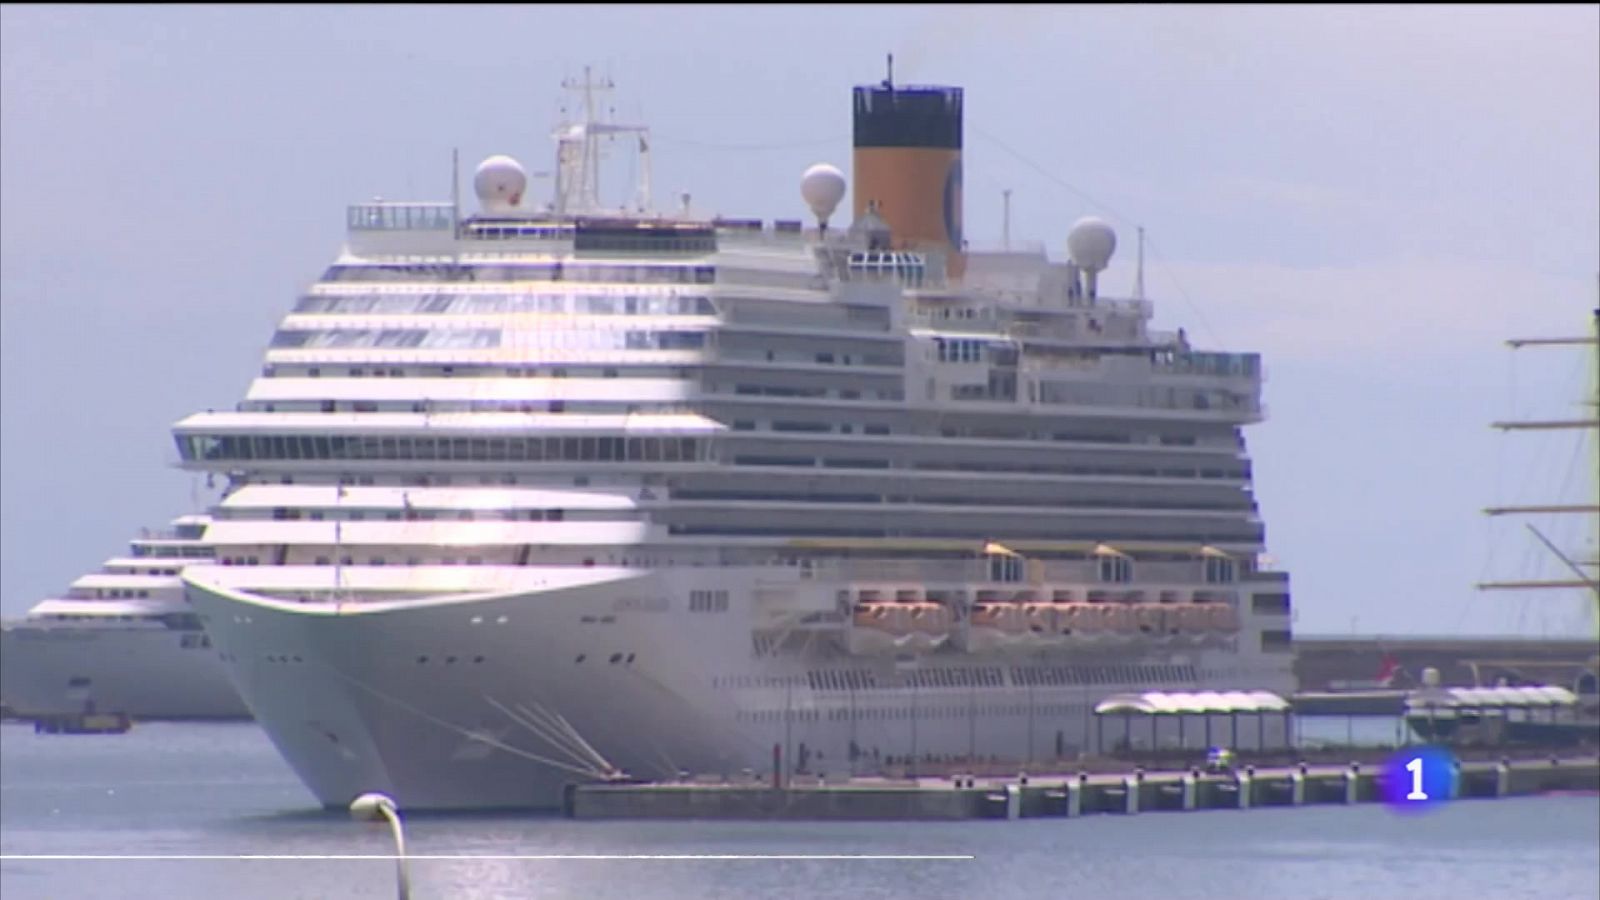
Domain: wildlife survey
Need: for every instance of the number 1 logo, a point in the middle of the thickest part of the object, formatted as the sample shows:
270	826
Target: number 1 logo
1415	768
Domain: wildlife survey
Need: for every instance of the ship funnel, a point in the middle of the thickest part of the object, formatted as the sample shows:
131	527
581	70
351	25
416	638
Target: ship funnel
908	165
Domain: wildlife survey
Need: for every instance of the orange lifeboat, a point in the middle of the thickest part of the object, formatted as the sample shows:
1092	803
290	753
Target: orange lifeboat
1189	622
879	627
995	625
1081	622
1044	622
1224	618
1119	621
1150	619
929	625
1041	618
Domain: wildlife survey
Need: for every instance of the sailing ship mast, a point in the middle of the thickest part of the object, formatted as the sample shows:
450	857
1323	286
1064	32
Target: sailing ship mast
1591	420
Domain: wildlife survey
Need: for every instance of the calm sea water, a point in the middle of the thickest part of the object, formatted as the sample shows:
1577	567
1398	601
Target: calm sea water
169	789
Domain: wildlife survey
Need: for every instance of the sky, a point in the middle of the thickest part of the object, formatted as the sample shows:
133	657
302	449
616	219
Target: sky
1373	198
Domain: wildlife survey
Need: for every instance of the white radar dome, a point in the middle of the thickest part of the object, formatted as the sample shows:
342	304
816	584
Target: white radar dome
1090	243
822	187
499	183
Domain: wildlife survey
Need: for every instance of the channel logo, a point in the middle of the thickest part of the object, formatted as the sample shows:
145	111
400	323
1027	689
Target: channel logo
1419	779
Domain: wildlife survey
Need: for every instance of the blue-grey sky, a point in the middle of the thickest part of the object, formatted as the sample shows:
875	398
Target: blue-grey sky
1372	197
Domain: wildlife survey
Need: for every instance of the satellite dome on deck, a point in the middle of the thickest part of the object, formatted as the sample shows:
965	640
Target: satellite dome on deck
822	187
1090	243
499	183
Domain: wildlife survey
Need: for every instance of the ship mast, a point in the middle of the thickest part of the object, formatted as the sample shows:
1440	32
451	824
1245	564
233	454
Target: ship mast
578	145
1582	579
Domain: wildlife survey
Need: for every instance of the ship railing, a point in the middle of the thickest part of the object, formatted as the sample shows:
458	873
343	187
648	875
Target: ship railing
1140	308
389	216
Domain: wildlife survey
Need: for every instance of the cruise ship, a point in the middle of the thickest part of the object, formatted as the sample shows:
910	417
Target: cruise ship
538	493
122	639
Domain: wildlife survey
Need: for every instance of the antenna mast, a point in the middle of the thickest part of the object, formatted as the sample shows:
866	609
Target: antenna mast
1005	227
578	152
1138	271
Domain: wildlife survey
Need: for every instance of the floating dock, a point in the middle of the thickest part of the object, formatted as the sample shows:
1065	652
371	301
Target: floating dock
1058	796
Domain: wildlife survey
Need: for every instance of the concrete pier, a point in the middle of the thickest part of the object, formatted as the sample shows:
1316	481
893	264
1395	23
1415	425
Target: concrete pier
1063	795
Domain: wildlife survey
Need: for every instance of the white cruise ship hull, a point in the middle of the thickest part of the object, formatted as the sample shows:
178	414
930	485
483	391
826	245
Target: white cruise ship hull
145	672
501	700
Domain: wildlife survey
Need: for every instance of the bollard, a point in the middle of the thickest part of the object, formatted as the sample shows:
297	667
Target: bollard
1502	778
1132	799
1189	791
1243	779
1013	801
1455	779
1074	798
1297	787
1352	783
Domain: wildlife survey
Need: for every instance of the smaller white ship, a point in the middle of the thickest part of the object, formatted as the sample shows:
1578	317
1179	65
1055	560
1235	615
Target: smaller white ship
121	640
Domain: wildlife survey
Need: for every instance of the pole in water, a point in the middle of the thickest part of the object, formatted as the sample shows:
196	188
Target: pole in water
375	807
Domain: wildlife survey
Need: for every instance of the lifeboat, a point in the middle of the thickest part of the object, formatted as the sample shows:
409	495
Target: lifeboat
1080	622
1192	622
1041	621
878	628
1150	620
1119	622
1224	618
929	625
995	625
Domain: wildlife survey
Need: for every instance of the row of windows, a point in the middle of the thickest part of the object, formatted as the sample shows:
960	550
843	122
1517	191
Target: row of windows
454	406
1276	641
487	338
1225	364
169	551
959	350
994	677
1078	393
807	462
708	601
515	449
409	514
471	272
910	711
1271	604
491	304
645	242
439	339
933	527
91	617
535	370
